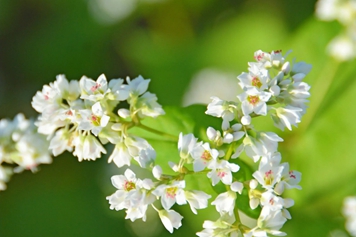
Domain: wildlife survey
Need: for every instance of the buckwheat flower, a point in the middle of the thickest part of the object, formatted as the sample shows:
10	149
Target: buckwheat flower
262	145
268	175
271	222
140	150
170	219
255	78
203	155
221	170
61	141
274	203
269	60
137	86
289	179
225	203
222	109
93	120
254	101
295	94
214	136
223	227
286	117
186	144
147	106
93	90
233	133
120	155
48	97
87	147
196	199
171	194
118	91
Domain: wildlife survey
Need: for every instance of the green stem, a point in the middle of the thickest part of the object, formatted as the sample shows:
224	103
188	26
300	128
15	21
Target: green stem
166	135
321	87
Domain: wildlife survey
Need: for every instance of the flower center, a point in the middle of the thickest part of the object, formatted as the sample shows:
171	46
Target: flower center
94	88
171	192
206	156
256	82
253	99
268	177
291	175
221	174
129	185
95	120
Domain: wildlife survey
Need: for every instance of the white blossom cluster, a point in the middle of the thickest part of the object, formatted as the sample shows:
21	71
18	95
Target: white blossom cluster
21	147
343	46
349	211
82	116
272	86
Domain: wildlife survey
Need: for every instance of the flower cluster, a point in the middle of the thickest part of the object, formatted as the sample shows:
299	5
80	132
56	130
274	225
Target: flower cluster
272	86
82	116
22	146
343	46
349	211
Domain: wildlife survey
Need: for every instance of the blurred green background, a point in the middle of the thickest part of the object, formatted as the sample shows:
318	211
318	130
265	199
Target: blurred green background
171	42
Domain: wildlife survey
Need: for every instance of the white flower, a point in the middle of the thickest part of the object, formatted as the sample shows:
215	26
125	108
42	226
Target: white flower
225	202
233	133
147	106
186	144
170	219
256	78
93	90
262	145
223	227
118	91
286	117
271	222
221	170
222	109
137	86
254	101
133	147
94	120
61	142
268	175
289	179
131	195
171	194
87	147
203	155
196	200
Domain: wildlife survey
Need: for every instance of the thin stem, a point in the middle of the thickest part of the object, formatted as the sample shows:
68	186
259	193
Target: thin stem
322	86
168	136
